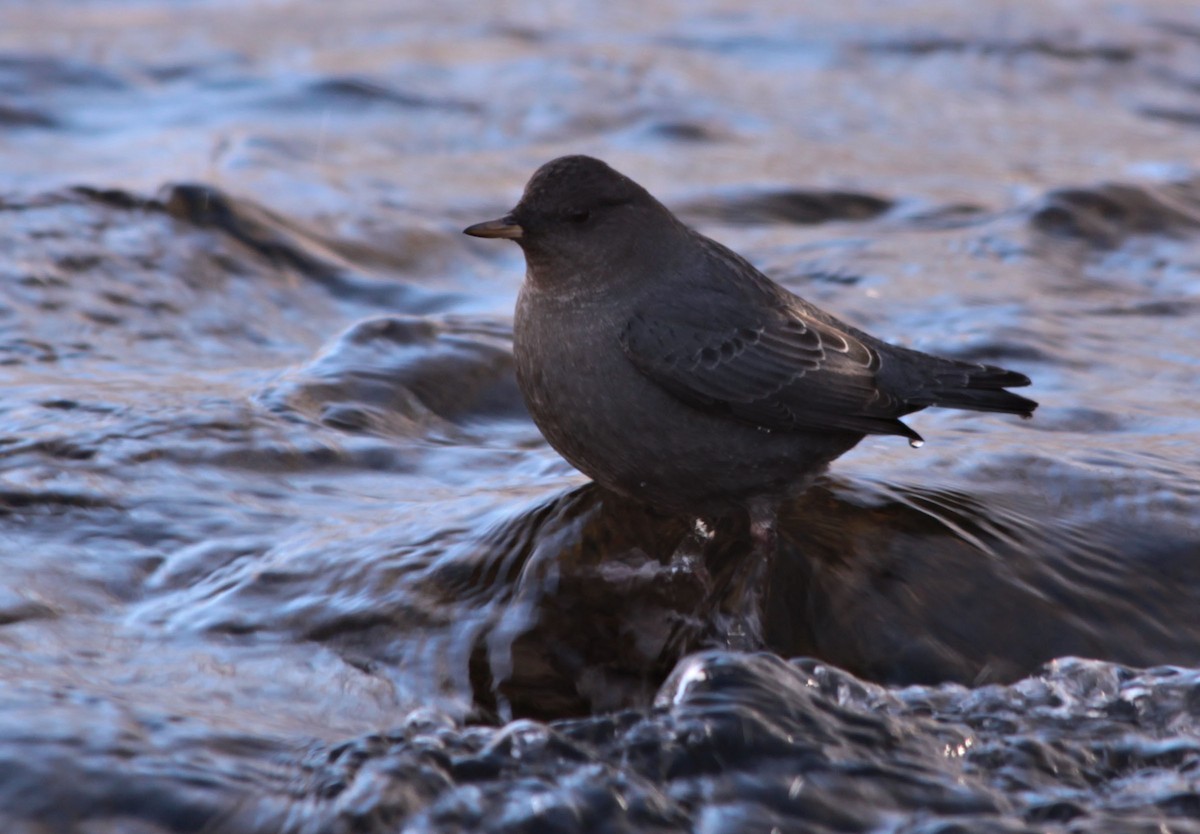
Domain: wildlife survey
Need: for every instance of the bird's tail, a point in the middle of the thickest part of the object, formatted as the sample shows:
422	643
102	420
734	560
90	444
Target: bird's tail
973	387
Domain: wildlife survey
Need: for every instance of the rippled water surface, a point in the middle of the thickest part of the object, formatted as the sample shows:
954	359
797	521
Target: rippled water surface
282	551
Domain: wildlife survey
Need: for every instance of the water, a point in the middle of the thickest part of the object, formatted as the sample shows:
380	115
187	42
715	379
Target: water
282	551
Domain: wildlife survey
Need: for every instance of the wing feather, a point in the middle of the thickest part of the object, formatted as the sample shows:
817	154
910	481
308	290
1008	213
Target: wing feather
781	372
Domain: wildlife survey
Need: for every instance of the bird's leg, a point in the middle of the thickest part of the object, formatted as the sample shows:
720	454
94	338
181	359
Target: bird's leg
750	571
691	554
732	604
744	592
763	515
701	535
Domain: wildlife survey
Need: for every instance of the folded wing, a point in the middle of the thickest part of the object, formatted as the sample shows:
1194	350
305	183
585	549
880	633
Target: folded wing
780	372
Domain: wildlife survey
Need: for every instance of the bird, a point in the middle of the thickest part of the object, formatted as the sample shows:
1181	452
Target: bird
668	369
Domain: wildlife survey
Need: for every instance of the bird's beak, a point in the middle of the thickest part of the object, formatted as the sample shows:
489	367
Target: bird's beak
505	227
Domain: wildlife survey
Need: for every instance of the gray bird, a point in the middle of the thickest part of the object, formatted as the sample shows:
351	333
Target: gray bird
668	369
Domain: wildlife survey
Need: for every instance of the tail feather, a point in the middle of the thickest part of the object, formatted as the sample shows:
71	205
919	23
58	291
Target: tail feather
976	388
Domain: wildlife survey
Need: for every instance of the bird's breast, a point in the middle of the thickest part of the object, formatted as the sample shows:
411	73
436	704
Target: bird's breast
568	355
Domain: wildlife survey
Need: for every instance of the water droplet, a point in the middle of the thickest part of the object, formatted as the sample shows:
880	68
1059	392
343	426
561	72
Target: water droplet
916	442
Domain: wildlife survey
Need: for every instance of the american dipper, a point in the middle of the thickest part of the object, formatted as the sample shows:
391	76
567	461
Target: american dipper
668	369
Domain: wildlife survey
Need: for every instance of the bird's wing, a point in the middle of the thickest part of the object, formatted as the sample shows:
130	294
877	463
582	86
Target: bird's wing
770	366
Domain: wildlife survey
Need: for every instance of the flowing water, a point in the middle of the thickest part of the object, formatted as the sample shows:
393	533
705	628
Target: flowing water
282	551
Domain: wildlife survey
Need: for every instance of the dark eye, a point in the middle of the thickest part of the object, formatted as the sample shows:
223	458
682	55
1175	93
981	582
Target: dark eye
579	216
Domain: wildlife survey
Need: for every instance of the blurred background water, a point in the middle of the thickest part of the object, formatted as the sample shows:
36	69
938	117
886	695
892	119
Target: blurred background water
282	551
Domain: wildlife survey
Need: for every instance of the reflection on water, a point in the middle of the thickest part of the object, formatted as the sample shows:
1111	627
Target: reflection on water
282	551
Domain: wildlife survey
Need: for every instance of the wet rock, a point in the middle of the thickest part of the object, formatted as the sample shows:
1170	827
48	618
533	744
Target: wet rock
11	117
402	375
738	740
1062	49
357	92
792	206
1190	118
1107	215
584	603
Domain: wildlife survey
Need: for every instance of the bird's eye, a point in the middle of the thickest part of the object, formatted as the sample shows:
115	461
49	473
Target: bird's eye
579	216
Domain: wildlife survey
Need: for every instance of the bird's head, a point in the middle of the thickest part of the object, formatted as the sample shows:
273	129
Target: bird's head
578	213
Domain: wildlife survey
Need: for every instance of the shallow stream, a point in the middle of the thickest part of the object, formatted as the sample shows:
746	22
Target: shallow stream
280	550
